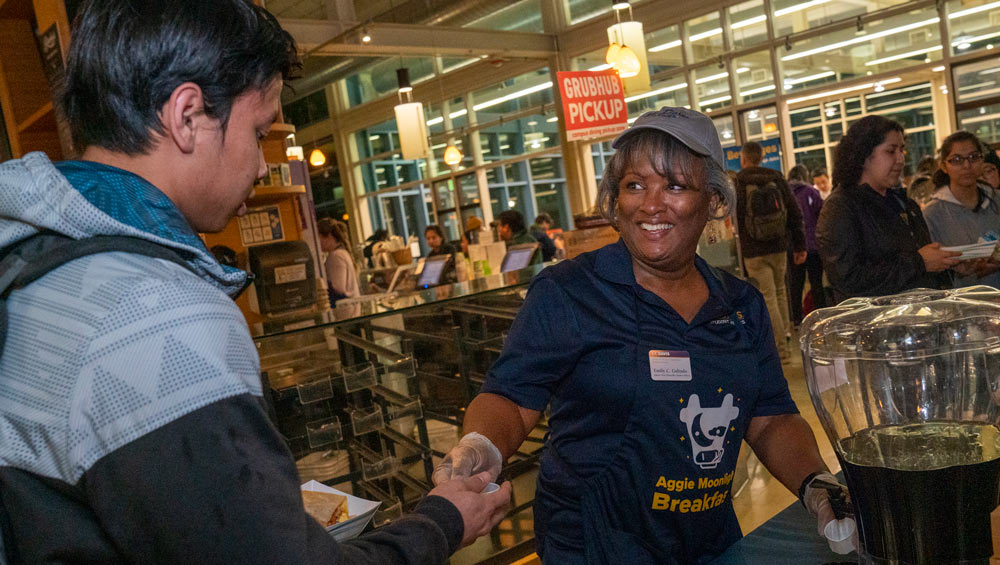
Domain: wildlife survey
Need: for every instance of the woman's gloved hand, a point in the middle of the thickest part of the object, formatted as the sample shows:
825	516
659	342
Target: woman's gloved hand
474	454
828	500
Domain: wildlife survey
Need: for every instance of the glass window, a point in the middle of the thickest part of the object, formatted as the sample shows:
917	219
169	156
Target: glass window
853	106
724	127
546	168
812	159
551	198
583	10
983	121
754	79
525	15
705	36
518	93
307	110
809	115
592	61
903	98
456	113
470	189
711	87
670	92
663	49
379	79
760	123
973	25
977	81
807	137
791	16
748	23
884	45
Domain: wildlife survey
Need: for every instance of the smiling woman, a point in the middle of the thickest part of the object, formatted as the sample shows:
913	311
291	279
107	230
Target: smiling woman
655	366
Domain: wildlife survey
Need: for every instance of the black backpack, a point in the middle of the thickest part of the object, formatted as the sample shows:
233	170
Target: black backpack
26	261
766	213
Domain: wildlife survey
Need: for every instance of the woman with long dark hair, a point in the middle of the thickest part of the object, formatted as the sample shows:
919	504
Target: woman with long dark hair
872	238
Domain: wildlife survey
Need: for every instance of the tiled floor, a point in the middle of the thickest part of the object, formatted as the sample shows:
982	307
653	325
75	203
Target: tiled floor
763	496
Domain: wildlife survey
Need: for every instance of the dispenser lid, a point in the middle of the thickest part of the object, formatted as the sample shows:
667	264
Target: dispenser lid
911	325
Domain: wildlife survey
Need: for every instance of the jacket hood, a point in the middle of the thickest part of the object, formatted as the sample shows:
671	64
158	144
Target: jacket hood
36	195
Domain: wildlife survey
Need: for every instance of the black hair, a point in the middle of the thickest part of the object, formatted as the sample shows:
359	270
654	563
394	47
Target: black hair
543	218
857	145
436	229
940	177
512	219
666	154
819	172
379	235
926	165
752	152
128	56
799	173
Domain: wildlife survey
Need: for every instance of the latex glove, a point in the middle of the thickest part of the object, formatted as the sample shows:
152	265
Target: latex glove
474	454
828	501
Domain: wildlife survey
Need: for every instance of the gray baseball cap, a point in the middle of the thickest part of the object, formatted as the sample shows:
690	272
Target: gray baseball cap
694	129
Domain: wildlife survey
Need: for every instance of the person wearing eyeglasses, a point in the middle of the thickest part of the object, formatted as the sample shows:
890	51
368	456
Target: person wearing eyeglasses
872	238
963	211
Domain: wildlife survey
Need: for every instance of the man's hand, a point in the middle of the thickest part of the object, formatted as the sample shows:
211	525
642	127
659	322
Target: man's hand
799	257
475	453
937	259
480	512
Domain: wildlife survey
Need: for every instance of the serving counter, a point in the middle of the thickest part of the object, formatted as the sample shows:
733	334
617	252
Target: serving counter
369	394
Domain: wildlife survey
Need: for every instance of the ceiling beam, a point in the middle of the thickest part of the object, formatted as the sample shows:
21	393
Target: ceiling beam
327	38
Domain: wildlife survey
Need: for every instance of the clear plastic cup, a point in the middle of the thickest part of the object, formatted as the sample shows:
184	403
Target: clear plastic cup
841	535
491	488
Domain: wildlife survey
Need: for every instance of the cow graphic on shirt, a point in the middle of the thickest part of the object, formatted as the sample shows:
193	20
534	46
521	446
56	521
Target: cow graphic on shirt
707	429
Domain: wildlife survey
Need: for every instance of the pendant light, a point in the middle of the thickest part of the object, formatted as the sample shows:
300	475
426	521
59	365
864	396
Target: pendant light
317	158
629	58
410	122
452	155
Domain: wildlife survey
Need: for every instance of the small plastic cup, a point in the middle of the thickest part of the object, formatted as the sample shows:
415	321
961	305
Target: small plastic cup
491	488
840	535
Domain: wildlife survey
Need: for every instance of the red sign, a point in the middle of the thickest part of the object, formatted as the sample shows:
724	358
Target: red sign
593	103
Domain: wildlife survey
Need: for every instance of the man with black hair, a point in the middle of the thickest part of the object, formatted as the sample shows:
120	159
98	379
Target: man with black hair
511	229
769	221
131	418
539	231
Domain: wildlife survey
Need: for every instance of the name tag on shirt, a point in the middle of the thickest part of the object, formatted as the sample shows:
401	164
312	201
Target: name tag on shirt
669	365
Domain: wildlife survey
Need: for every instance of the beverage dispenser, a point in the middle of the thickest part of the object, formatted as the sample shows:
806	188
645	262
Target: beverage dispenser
906	388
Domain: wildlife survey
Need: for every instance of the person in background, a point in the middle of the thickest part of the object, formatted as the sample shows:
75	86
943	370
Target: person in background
627	420
511	229
810	203
873	239
379	235
539	231
471	234
762	195
962	211
434	236
338	269
821	180
991	168
134	431
921	187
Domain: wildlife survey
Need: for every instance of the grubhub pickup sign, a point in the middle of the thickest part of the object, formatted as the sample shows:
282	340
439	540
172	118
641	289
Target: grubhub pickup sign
593	103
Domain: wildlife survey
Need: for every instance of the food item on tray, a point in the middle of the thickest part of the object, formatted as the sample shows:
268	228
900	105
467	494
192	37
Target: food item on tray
326	507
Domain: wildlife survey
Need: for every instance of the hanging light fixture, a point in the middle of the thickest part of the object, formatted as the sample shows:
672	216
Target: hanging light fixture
365	36
452	155
317	158
627	51
410	122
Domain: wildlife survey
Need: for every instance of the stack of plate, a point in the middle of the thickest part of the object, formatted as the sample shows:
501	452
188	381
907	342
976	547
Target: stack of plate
324	465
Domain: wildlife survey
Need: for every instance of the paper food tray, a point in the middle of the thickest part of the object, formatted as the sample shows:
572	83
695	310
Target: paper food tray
362	511
973	250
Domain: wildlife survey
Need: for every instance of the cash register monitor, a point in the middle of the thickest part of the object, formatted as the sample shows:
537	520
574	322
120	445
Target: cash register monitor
518	257
432	271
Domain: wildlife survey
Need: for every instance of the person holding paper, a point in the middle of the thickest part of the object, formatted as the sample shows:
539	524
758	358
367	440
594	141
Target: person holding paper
654	365
872	238
962	211
132	423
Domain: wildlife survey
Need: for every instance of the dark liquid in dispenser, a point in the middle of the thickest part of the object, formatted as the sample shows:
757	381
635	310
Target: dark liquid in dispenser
923	493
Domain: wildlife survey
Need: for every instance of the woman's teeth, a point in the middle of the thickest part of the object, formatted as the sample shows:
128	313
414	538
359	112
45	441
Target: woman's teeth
656	227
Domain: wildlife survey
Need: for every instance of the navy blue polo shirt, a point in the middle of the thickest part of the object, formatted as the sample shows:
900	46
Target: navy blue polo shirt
574	342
